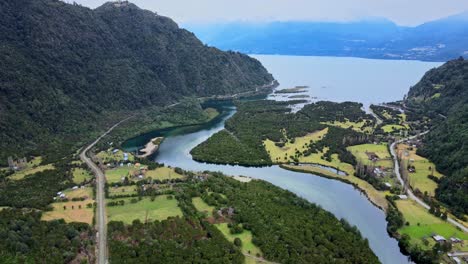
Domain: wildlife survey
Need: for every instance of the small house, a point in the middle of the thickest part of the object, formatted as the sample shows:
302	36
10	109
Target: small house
403	197
75	188
115	151
439	238
388	185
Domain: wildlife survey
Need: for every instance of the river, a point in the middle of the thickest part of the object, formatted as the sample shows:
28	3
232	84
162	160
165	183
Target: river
334	196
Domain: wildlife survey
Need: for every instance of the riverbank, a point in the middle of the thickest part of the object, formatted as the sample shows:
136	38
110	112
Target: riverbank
376	197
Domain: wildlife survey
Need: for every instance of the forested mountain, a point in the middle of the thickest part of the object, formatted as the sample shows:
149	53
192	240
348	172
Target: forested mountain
439	40
443	95
66	69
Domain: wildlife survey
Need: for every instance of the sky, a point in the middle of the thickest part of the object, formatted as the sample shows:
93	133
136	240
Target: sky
402	12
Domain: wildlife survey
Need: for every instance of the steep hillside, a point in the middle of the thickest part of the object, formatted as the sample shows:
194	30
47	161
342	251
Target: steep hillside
66	69
444	92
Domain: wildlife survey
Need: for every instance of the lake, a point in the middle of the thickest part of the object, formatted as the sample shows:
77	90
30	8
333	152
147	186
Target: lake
334	79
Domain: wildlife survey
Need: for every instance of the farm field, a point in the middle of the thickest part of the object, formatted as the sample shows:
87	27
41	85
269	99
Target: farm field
246	237
108	155
381	150
393	127
282	154
115	175
159	209
201	206
428	223
123	190
163	173
83	215
30	170
80	175
356	126
423	168
80	192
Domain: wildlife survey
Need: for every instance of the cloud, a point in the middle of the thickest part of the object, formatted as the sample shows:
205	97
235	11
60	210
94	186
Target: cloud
404	12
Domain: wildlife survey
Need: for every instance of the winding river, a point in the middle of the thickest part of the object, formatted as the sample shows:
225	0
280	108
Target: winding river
339	198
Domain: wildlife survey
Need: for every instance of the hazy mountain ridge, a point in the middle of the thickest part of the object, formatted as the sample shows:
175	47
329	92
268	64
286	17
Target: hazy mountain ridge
439	40
65	66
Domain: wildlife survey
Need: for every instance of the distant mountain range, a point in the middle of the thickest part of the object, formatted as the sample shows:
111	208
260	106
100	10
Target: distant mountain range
439	40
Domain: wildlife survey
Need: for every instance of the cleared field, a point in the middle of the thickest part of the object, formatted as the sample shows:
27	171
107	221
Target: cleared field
419	179
163	173
201	206
124	190
80	175
86	192
246	237
282	154
356	126
381	150
211	113
145	210
428	223
115	175
30	170
393	127
84	215
108	155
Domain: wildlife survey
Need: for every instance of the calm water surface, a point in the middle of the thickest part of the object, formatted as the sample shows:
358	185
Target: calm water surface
334	79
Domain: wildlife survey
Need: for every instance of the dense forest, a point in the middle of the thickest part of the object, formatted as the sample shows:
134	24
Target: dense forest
443	92
24	238
286	228
67	71
255	121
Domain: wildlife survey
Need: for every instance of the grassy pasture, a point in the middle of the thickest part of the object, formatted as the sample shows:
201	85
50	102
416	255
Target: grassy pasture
246	237
30	170
356	126
428	223
393	127
115	175
159	209
80	192
108	155
381	150
84	215
80	175
163	173
419	179
201	206
123	190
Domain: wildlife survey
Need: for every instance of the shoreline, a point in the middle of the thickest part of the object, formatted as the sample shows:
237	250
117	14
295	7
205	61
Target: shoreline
150	147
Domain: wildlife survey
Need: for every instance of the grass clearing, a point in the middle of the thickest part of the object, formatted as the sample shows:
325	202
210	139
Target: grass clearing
159	209
83	215
80	175
356	126
86	192
30	170
115	175
123	190
393	127
282	154
428	223
419	179
381	150
211	113
201	206
109	155
246	237
163	173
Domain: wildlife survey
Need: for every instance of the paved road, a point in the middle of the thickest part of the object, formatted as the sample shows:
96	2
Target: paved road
100	198
409	192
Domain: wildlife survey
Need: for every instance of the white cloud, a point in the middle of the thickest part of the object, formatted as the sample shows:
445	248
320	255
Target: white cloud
405	12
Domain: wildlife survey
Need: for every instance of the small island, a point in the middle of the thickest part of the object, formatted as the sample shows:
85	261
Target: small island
296	89
150	148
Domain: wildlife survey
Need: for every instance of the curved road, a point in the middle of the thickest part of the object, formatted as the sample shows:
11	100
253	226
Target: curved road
101	209
409	192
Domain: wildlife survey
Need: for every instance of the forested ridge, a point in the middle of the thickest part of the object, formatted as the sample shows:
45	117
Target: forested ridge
68	70
442	94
